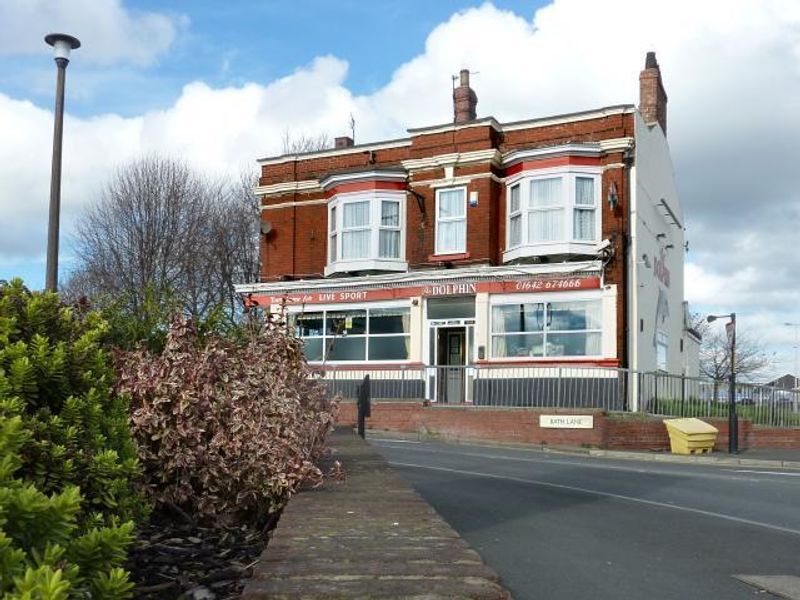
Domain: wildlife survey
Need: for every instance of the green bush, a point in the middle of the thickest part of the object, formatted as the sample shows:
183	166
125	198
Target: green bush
68	464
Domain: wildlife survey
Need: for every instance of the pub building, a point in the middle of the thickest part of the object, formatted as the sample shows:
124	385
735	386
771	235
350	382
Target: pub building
552	241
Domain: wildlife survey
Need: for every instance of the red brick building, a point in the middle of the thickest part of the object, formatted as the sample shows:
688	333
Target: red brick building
553	240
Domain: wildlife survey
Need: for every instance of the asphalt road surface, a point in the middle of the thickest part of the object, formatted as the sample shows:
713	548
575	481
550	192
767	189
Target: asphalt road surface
561	526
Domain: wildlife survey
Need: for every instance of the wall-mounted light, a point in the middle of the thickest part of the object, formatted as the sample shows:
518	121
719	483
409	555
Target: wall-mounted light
613	198
661	236
645	261
669	246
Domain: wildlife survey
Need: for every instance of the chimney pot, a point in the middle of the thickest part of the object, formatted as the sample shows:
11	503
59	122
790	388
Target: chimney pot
465	101
343	142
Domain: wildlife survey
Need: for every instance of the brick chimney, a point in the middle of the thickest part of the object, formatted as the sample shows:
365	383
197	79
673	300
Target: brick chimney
652	97
343	142
464	100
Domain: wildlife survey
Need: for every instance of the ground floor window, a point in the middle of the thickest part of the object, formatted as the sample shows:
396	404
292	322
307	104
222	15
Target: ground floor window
378	334
542	329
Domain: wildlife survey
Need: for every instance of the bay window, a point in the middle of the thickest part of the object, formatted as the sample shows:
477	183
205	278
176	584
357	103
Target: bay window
553	212
365	232
546	329
341	335
451	221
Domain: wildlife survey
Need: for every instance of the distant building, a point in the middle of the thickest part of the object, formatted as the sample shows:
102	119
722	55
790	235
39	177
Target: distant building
787	382
550	241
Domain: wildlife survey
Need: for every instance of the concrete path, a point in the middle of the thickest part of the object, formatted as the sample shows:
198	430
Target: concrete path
372	536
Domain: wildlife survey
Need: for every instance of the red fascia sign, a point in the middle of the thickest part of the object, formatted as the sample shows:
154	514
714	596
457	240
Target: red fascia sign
556	284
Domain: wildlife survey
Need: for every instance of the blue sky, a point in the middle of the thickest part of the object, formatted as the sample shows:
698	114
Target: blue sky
218	84
238	41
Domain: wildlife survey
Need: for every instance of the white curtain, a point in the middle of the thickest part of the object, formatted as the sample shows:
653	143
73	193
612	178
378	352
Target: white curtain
546	225
356	214
389	243
390	214
515	218
450	237
356	242
515	231
451	222
499	348
451	204
389	239
546	219
584	218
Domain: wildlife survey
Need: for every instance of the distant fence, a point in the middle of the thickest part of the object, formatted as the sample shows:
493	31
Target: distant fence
609	389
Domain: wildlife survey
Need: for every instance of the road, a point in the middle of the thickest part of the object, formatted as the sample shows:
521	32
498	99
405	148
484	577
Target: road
563	526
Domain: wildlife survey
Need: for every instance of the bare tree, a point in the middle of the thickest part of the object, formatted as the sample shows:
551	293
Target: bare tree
161	228
715	355
304	143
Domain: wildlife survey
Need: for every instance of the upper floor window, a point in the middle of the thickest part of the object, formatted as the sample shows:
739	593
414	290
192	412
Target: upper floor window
556	212
451	220
365	232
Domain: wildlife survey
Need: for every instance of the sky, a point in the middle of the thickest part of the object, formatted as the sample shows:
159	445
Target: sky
218	84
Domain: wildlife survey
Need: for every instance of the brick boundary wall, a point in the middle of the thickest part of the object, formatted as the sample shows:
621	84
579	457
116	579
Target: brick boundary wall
521	425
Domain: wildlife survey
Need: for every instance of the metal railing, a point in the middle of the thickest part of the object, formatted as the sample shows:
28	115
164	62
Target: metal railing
675	395
604	388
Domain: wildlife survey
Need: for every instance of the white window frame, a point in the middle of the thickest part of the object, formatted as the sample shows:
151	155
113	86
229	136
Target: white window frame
367	335
372	262
551	298
568	244
438	249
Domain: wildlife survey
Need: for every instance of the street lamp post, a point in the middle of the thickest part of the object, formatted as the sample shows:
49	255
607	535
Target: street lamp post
62	45
796	346
733	418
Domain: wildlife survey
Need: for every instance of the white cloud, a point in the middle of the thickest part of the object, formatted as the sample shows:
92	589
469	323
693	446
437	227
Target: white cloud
733	79
109	33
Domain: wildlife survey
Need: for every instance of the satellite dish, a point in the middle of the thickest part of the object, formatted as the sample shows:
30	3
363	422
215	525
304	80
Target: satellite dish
266	227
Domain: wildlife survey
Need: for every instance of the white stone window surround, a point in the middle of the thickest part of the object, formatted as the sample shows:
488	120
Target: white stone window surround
607	327
453	248
372	260
567	244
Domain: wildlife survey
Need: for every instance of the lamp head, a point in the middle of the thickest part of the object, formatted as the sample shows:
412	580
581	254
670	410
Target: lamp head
711	318
62	44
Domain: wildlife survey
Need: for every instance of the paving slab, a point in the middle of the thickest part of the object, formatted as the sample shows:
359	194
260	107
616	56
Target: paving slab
783	586
371	536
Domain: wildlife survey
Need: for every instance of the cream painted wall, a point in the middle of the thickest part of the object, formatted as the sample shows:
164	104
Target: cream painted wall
652	232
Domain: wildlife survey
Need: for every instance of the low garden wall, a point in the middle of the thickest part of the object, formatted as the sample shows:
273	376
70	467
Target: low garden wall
612	431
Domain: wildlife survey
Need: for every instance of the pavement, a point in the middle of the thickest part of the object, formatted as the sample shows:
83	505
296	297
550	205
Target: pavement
369	536
561	525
